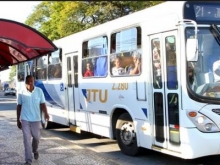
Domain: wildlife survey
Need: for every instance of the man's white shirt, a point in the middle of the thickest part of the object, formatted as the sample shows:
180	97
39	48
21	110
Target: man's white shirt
118	71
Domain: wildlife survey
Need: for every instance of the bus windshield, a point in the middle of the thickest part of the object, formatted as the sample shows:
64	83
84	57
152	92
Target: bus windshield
204	75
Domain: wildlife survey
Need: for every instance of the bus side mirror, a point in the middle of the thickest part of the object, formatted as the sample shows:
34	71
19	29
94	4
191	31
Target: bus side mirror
192	49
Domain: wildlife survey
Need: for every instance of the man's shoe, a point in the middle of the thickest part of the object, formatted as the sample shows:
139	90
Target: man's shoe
36	155
27	163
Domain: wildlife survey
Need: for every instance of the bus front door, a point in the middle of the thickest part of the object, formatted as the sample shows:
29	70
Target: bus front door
165	73
72	86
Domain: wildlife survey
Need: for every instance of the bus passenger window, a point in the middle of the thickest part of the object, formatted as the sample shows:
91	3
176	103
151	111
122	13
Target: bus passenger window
95	51
100	68
57	72
41	66
135	67
41	73
50	71
118	69
55	57
54	71
20	77
113	43
126	44
89	70
20	72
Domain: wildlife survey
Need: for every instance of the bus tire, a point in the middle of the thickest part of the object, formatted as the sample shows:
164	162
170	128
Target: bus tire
126	135
45	123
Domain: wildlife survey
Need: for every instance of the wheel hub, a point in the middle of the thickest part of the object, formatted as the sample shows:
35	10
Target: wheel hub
127	133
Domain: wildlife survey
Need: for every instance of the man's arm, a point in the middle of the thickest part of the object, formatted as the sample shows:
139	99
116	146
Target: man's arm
18	116
44	109
135	70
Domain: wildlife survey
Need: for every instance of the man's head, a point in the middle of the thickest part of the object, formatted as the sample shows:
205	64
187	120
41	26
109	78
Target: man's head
136	56
118	62
29	81
89	66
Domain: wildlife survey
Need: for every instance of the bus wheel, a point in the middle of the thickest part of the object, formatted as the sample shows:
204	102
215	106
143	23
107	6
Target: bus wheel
45	124
126	135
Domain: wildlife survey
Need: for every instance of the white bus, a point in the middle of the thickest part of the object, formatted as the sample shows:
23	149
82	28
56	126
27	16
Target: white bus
149	80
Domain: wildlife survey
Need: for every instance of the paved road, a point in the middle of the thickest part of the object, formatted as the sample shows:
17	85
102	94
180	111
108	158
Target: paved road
60	146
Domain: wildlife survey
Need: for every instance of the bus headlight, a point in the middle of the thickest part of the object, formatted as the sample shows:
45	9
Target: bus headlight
202	122
208	126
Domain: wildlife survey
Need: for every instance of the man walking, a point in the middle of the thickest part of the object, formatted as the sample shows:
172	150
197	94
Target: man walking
30	103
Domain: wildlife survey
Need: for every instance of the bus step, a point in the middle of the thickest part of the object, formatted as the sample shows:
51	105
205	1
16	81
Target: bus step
75	129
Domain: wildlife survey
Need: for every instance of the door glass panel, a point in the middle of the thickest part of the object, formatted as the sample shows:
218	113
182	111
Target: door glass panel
173	114
171	62
75	66
157	79
69	72
159	116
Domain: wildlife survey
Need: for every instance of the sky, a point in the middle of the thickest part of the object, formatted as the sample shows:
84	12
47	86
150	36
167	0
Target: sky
16	11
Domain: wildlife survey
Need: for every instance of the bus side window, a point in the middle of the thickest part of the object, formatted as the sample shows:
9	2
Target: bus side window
20	77
88	68
117	68
135	65
41	67
20	72
57	72
41	73
113	43
127	61
126	44
50	71
100	68
95	50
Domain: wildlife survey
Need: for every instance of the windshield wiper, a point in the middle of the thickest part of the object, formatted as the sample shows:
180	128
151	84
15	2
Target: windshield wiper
215	32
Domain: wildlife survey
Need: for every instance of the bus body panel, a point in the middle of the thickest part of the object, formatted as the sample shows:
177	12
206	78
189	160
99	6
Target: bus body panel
197	144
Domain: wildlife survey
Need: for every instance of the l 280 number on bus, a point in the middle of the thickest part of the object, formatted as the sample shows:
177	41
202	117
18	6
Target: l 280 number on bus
120	86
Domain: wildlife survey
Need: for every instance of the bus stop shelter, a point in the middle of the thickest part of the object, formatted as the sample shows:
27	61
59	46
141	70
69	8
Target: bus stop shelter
20	43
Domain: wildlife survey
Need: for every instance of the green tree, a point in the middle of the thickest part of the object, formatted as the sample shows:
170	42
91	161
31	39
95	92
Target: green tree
12	73
57	19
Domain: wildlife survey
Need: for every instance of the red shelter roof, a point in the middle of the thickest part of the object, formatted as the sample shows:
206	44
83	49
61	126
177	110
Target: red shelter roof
19	43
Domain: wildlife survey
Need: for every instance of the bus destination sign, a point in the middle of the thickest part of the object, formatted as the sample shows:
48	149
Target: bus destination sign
207	12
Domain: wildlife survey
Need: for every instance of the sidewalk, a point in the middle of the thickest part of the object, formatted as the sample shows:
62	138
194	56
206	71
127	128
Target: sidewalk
52	150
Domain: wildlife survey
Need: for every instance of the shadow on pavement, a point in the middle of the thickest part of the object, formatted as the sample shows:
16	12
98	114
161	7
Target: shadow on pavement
8	106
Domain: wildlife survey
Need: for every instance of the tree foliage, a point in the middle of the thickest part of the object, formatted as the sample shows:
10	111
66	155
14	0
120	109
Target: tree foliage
57	19
12	73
